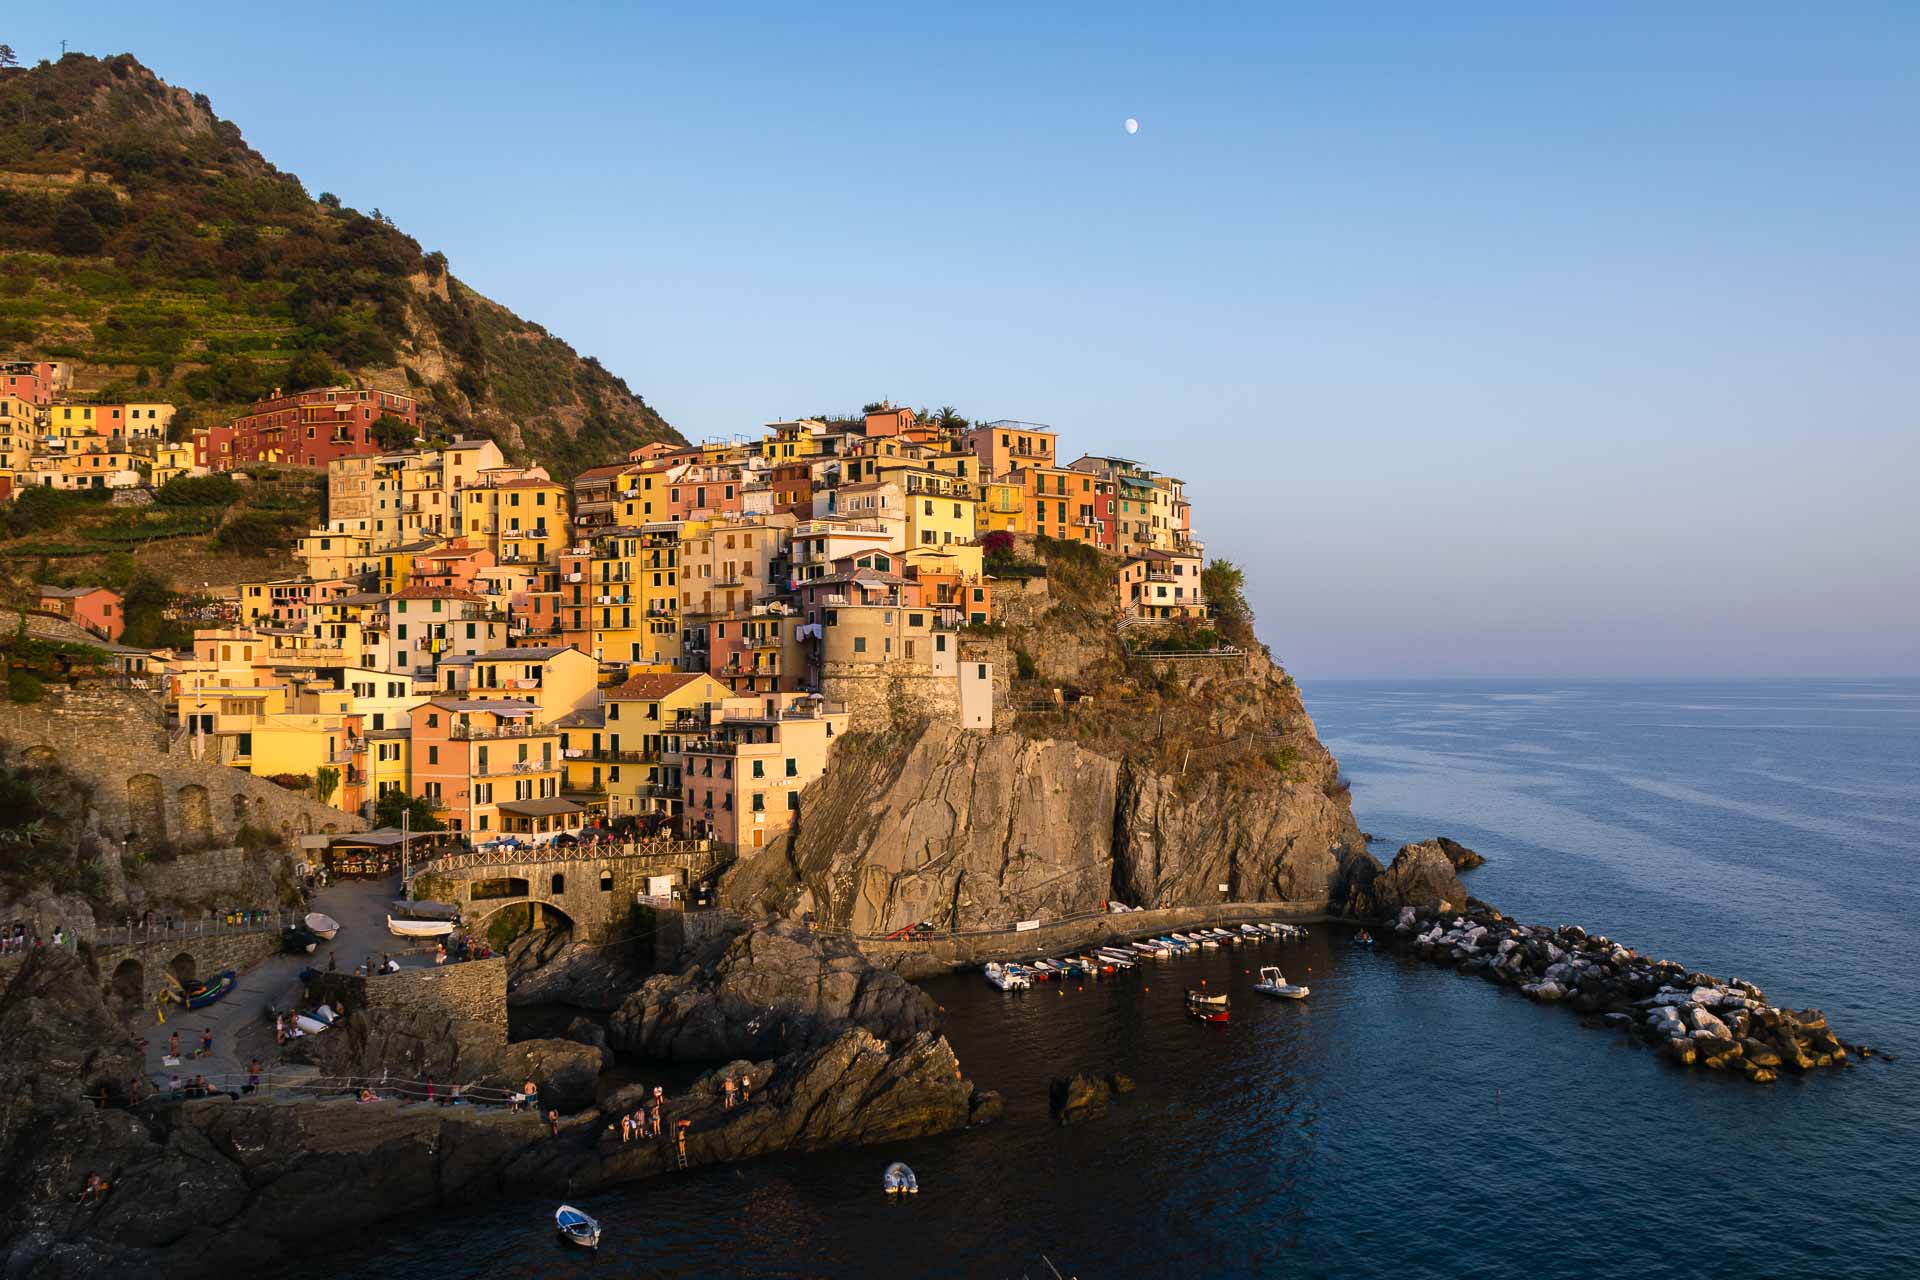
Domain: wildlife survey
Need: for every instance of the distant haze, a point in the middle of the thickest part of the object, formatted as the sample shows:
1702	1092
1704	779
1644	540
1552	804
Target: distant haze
1491	339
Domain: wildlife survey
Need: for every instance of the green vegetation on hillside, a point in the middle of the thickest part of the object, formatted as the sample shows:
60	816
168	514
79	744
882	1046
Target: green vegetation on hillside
141	238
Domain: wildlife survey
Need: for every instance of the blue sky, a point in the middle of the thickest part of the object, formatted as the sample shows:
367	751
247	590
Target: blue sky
1491	339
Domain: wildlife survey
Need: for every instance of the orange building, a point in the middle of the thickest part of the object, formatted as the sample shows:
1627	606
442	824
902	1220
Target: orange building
486	769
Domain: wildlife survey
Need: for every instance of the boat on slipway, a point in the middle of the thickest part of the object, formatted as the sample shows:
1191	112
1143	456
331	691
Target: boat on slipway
422	919
322	925
199	994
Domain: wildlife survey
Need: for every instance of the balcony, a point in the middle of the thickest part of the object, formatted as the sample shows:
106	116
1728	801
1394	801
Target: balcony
475	732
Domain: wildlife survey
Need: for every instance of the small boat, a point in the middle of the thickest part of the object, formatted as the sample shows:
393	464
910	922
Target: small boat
1007	979
1208	940
310	1024
1251	931
420	928
579	1228
1118	958
1197	996
1149	949
196	995
1274	983
1363	939
1208	1012
899	1180
323	925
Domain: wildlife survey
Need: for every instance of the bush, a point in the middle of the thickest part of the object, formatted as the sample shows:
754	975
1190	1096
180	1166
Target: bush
255	532
219	490
75	232
25	687
1023	664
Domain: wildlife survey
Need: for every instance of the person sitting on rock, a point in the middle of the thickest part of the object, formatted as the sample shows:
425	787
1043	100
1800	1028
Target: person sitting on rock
532	1092
368	1095
95	1189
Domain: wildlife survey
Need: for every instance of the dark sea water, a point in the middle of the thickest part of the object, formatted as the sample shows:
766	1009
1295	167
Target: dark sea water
1406	1121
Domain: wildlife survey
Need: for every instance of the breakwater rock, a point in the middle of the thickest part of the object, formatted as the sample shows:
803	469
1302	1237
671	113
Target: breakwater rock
1423	875
1694	1018
774	987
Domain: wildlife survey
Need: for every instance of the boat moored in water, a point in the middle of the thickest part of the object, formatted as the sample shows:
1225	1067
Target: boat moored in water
1274	983
577	1227
1007	977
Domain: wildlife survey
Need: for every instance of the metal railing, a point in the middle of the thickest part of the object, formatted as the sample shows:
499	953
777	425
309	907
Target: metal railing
221	924
658	849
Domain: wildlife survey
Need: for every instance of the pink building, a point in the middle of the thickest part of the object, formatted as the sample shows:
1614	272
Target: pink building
742	779
95	608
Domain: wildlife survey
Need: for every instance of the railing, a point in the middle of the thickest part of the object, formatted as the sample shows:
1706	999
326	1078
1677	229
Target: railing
472	731
688	854
218	925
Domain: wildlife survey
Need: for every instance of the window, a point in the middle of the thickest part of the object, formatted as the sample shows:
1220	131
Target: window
759	802
433	755
793	802
859	644
606	882
759	768
559	884
793	767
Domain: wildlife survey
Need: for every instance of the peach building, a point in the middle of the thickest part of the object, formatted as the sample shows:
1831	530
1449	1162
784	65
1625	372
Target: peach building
488	770
741	780
97	609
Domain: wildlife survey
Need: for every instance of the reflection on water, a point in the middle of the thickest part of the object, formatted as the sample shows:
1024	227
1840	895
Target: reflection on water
1405	1120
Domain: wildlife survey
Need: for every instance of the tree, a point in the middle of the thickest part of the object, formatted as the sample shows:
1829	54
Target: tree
1225	585
8	58
326	780
307	370
75	232
101	204
392	433
392	806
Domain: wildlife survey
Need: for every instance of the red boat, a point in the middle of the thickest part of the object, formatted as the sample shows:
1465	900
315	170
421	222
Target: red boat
1207	1013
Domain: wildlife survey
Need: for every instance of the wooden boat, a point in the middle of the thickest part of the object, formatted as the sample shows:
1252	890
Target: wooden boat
1208	1012
195	995
899	1180
1152	949
1274	983
324	925
1197	996
420	928
577	1227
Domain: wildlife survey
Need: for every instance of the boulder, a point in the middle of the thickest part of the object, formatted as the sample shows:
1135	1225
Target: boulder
777	987
1421	875
985	1107
567	1072
1079	1097
1462	858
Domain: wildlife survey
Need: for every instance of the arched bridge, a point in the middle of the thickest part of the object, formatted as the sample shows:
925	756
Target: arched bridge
593	885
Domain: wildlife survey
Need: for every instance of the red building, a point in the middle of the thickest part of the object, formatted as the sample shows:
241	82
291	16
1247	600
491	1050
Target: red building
307	428
32	380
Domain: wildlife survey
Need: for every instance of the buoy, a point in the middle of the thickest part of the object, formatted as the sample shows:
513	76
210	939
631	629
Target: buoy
1079	988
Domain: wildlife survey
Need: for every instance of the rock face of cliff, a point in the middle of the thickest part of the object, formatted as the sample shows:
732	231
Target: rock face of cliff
972	830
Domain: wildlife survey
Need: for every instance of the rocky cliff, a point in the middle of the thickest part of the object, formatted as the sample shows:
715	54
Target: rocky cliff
1220	781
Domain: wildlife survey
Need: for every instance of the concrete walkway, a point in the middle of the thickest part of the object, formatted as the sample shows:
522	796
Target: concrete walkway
242	1029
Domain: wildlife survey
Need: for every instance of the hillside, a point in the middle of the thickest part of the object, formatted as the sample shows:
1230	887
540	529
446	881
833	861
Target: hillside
142	239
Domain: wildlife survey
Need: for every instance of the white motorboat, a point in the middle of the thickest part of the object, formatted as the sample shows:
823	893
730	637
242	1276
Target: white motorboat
1113	955
1007	979
308	1023
324	925
420	928
899	1180
577	1227
1274	983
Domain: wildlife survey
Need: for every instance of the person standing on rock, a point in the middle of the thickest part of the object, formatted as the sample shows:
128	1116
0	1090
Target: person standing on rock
659	1102
532	1092
727	1094
746	1089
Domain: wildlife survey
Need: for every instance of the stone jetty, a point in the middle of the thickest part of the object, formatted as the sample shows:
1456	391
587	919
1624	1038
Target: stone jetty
1694	1018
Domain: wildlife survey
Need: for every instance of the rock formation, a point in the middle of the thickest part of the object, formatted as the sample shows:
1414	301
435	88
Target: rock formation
1693	1017
1421	875
774	987
980	830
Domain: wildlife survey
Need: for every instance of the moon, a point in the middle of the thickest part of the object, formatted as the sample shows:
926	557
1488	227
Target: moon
1133	126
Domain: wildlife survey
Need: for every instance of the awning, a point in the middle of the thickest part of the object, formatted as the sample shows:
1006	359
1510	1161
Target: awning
546	807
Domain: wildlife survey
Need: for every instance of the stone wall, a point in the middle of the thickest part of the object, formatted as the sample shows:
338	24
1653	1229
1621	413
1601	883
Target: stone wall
472	994
117	742
215	878
879	695
148	963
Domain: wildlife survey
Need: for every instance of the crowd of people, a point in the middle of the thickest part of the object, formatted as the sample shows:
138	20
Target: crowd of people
16	939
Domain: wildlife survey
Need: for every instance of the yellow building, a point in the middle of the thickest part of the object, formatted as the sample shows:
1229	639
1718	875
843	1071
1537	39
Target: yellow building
387	761
171	461
558	679
523	519
333	553
1003	508
648	719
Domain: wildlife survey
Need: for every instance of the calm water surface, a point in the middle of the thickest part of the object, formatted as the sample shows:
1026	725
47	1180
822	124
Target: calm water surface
1405	1120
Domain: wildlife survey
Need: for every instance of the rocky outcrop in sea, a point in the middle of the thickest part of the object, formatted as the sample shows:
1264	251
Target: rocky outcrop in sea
1694	1018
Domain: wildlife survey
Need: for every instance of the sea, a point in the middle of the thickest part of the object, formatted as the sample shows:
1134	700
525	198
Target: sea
1407	1121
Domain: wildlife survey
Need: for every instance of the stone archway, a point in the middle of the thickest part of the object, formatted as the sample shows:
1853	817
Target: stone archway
514	919
196	819
129	985
147	806
184	967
